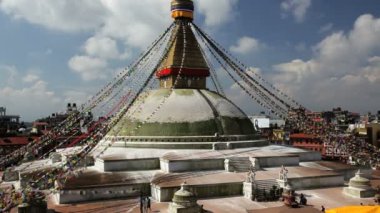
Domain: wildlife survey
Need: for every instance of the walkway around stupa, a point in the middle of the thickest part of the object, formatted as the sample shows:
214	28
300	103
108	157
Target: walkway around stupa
125	172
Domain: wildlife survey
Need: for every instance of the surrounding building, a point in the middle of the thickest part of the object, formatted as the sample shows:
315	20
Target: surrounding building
373	134
269	128
9	124
309	142
40	128
277	123
341	118
10	144
12	136
260	122
45	124
279	136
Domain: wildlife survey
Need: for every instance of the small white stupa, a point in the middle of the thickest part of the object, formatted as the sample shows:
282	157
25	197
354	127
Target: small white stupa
359	187
184	201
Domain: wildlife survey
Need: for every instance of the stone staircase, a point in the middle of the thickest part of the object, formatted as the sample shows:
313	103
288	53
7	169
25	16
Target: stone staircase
240	164
265	184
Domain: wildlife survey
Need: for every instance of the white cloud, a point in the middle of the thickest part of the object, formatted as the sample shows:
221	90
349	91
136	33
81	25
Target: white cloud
300	47
65	15
345	70
103	47
90	68
30	78
245	45
326	28
296	70
298	8
236	94
216	12
35	94
133	24
372	71
33	91
9	74
114	28
254	70
75	96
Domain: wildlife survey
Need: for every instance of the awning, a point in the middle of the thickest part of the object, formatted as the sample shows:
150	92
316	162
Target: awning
356	209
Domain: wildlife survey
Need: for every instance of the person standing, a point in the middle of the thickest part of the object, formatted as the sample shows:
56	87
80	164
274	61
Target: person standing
145	205
148	204
323	209
141	203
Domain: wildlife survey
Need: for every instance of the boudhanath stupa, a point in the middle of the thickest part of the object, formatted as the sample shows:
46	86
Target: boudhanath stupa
183	137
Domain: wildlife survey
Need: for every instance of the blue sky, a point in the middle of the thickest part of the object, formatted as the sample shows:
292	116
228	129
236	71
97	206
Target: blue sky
324	53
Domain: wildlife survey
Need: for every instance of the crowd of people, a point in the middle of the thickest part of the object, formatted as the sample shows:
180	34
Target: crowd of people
339	144
9	198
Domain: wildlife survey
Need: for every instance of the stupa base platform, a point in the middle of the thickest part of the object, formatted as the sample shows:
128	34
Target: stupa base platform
208	184
328	197
348	171
116	164
121	153
359	193
196	143
117	159
123	173
93	185
221	183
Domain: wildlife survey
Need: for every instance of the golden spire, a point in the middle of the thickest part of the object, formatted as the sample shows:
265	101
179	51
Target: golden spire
182	9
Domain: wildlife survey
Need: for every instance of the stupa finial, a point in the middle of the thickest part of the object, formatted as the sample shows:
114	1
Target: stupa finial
359	173
182	9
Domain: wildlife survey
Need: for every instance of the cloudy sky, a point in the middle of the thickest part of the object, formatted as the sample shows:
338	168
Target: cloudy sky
323	53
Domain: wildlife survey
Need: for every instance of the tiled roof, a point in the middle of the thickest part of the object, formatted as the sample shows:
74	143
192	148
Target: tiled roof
9	141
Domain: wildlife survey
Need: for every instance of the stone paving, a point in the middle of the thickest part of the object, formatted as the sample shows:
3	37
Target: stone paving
92	177
329	197
113	206
115	153
212	177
